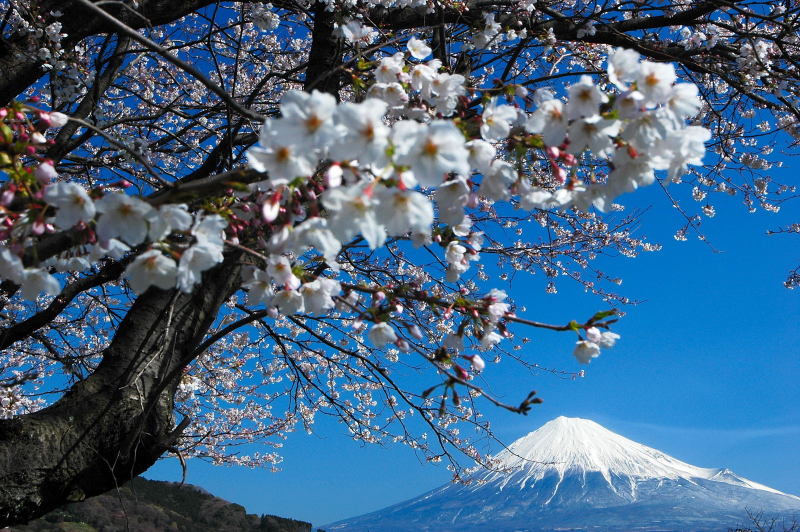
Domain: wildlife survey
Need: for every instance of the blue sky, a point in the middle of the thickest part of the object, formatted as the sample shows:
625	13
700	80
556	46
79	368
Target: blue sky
707	370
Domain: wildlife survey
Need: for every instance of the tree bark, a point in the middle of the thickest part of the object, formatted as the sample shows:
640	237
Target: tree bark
117	422
19	69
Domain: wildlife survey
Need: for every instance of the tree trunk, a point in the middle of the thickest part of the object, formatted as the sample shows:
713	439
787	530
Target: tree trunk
20	68
116	423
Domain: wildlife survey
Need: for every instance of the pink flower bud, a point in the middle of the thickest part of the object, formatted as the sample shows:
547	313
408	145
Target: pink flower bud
415	332
45	173
461	372
270	209
560	174
477	362
38	227
58	119
7	197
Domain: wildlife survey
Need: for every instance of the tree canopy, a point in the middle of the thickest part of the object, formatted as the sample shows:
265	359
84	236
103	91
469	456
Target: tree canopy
248	213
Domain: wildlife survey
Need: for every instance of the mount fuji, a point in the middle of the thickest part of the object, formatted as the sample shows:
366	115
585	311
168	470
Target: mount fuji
574	475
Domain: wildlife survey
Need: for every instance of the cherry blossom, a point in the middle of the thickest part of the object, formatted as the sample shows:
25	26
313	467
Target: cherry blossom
362	193
194	261
259	287
151	268
418	49
654	81
73	203
318	295
403	211
431	151
585	98
585	351
289	302
353	212
550	120
280	271
497	120
381	334
124	217
35	281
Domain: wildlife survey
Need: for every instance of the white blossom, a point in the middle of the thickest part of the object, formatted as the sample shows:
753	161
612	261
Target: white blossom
451	198
11	267
352	211
72	201
36	281
550	121
432	151
603	339
403	211
280	154
124	217
654	81
389	68
363	135
418	49
585	351
151	268
318	294
280	271
194	261
381	334
585	98
623	65
497	120
259	288
168	218
314	233
289	302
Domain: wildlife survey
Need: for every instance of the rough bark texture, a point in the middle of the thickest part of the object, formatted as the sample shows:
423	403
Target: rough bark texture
324	59
19	69
116	423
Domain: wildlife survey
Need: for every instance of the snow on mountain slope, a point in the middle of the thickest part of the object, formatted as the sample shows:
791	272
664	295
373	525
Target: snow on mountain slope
573	474
568	444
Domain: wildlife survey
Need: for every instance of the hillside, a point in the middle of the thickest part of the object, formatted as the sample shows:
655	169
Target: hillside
151	506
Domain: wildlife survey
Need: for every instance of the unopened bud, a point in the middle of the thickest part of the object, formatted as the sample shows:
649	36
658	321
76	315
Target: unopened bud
333	176
477	362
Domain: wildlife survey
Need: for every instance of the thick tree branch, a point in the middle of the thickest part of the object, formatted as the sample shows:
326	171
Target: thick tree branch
118	421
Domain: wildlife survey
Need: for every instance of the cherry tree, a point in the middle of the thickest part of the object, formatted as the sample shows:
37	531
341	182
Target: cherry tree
220	220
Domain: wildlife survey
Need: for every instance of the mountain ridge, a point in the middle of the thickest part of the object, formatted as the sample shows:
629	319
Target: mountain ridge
574	474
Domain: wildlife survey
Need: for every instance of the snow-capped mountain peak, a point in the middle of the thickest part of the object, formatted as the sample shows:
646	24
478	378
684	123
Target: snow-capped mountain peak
574	445
573	474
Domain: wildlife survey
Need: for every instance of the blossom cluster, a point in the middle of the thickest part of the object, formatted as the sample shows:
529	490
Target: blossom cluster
166	246
378	169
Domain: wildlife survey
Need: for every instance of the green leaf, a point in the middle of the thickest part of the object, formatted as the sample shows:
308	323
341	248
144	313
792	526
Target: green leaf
604	314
